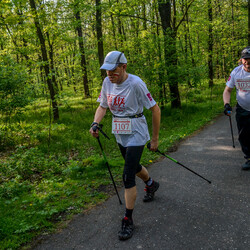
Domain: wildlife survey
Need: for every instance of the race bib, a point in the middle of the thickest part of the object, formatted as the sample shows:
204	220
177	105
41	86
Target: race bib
243	85
121	125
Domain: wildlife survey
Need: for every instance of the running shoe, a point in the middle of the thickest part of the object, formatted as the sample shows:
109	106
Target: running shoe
127	229
246	165
150	191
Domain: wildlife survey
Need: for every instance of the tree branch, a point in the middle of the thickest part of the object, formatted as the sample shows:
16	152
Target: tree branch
184	15
142	18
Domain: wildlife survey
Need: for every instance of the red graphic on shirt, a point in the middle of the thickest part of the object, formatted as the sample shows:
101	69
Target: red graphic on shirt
109	99
119	101
100	94
229	78
149	97
116	102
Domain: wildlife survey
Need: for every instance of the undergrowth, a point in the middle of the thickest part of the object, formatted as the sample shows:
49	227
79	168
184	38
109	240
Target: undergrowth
49	172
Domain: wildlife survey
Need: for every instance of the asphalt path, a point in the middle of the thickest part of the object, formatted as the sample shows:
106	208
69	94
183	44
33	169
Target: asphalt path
187	213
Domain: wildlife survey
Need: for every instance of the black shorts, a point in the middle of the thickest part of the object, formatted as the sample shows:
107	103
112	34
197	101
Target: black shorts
132	156
243	124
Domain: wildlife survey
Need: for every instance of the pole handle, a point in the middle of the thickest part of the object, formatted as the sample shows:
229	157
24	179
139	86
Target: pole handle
96	127
149	147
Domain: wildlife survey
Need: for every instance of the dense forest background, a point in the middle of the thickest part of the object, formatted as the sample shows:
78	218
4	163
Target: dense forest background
51	45
50	57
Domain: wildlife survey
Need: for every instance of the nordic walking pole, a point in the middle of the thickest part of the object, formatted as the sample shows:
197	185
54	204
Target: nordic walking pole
230	121
148	145
106	162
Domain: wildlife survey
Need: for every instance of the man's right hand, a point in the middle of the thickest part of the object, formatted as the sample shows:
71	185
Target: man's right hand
94	129
227	109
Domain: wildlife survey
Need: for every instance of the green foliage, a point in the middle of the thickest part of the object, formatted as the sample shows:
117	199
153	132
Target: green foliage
13	94
51	170
130	26
46	179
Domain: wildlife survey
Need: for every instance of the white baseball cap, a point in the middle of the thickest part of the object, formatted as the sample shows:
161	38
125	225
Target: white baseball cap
113	59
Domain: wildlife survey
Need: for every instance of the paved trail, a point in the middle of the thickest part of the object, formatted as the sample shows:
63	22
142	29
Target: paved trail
187	213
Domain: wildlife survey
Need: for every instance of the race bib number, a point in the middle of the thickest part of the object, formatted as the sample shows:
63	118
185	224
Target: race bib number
121	125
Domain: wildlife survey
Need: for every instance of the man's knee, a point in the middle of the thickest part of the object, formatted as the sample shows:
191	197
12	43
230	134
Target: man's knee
138	169
129	180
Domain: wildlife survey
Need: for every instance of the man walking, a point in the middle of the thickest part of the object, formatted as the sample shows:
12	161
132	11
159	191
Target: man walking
126	95
240	78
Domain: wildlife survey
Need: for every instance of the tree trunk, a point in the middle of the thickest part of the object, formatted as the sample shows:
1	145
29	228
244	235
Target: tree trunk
81	47
162	88
144	16
99	36
52	65
170	51
210	45
45	60
120	29
248	7
113	27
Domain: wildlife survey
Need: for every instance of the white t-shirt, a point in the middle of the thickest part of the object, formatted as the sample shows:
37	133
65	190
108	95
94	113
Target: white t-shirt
240	79
128	99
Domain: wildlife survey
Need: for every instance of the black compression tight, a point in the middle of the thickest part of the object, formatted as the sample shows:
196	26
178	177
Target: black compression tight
243	123
132	156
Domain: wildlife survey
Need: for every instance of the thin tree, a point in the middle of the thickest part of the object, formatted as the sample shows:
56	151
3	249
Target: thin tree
210	44
113	27
99	35
170	51
45	60
170	27
81	47
248	7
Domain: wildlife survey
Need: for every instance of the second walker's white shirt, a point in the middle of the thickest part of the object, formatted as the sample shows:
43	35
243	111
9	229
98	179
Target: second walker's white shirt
240	79
128	99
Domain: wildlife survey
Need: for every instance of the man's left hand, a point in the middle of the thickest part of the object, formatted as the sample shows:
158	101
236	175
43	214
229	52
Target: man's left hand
153	145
